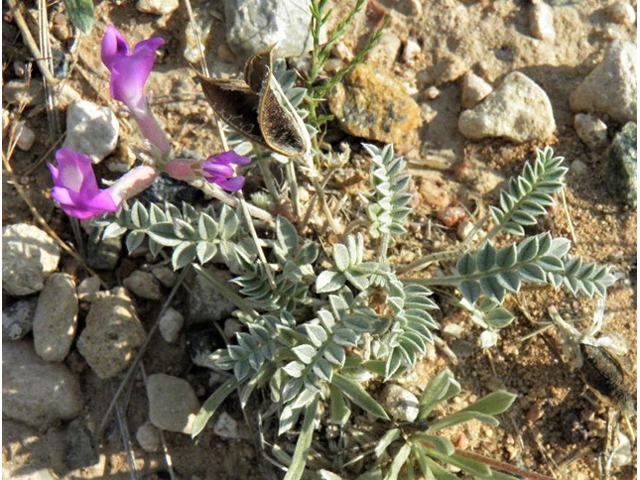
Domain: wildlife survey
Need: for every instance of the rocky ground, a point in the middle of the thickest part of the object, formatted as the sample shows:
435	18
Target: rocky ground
465	89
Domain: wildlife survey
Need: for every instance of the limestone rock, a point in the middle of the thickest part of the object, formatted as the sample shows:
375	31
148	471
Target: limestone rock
541	21
25	137
205	303
88	288
157	7
35	392
611	88
591	130
518	110
112	334
474	90
29	255
170	325
623	164
148	437
226	426
103	253
622	13
173	404
143	285
255	25
370	105
91	129
400	403
56	319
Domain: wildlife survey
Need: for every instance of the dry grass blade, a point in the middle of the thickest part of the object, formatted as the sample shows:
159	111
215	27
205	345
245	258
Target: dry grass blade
45	48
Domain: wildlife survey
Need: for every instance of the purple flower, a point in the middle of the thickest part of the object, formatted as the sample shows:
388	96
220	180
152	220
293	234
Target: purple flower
217	169
129	74
75	187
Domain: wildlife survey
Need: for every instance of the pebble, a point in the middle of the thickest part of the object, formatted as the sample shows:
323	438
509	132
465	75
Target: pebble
411	51
452	215
56	318
623	164
386	50
157	7
29	255
400	403
432	93
518	110
81	451
622	13
91	129
342	52
432	192
591	130
88	288
170	325
231	327
255	25
541	21
165	275
578	168
474	90
21	92
371	105
143	285
17	319
173	404
25	137
611	88
148	437
112	334
226	426
103	253
35	392
412	8
205	302
464	230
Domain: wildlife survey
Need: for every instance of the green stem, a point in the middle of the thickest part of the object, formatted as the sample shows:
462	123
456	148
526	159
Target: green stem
384	246
269	180
293	184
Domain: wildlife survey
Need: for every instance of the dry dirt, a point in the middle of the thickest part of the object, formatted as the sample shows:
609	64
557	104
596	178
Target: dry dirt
555	427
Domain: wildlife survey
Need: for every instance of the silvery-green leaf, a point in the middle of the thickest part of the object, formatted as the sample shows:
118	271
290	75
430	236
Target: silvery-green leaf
229	223
461	417
305	353
316	334
386	440
359	396
470	290
345	337
398	462
183	255
506	256
340	411
493	404
466	265
286	234
307	254
299	460
134	240
211	405
183	230
341	257
164	234
335	354
113	230
528	249
509	280
139	215
80	13
532	272
491	288
294	369
489	339
329	281
499	318
486	258
207	227
205	251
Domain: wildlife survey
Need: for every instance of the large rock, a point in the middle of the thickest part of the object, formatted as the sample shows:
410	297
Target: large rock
255	25
113	333
35	392
611	87
371	105
56	319
173	404
206	304
400	403
29	255
623	164
91	129
518	110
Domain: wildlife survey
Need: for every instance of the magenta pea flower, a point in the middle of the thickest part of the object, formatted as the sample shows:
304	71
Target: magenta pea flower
75	187
129	74
215	169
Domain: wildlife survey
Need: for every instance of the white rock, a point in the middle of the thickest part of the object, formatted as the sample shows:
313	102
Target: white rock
541	21
611	88
170	325
342	52
518	110
474	90
432	93
157	7
88	288
56	318
400	403
25	137
591	130
17	319
148	437
226	426
173	404
18	92
113	333
578	168
411	51
91	129
622	13
29	255
143	285
35	392
464	230
255	25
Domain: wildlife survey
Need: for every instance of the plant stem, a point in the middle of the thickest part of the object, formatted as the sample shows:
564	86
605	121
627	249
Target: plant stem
293	184
384	246
268	180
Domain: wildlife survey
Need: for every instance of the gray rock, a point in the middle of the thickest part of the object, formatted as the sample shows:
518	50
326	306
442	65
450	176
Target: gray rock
541	21
578	168
623	164
205	303
103	253
474	90
591	130
165	276
255	25
143	285
622	13
17	319
231	327
611	88
56	319
29	255
157	7
35	392
170	325
148	437
226	426
518	110
173	404
88	288
112	334
91	129
18	92
400	403
25	137
81	451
